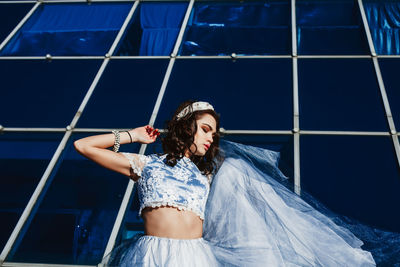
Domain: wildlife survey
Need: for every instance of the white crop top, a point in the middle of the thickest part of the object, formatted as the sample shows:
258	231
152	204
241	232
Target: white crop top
182	186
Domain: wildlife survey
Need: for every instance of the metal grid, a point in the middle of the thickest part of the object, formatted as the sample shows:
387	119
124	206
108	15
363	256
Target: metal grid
69	129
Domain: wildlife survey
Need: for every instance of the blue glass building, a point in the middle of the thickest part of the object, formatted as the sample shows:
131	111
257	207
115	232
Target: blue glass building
316	80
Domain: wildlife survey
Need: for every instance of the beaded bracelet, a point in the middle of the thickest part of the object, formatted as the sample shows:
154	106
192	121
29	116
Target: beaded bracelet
116	141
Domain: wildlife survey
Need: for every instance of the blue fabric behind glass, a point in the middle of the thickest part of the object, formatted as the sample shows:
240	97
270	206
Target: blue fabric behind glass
69	29
253	28
384	24
23	160
340	94
49	93
330	27
161	24
73	222
133	86
153	29
10	16
248	93
355	176
390	74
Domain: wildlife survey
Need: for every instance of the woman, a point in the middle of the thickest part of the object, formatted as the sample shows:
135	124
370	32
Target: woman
249	218
174	193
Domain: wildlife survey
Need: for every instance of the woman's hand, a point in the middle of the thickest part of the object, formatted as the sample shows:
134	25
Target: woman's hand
145	134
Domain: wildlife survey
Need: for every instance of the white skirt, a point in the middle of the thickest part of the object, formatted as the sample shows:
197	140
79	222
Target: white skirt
147	251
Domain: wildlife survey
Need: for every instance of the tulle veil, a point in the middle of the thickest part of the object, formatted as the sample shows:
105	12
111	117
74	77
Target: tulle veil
252	219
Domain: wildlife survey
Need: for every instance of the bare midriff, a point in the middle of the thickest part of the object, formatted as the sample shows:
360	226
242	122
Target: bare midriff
170	222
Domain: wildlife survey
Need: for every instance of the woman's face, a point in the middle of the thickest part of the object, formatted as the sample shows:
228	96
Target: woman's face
206	128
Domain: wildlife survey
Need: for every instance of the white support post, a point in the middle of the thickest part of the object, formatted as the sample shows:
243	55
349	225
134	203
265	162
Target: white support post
296	123
296	129
294	27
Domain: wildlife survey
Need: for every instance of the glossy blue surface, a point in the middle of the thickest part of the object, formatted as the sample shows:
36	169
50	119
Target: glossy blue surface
251	28
23	159
340	95
125	95
249	93
48	95
330	28
355	176
68	29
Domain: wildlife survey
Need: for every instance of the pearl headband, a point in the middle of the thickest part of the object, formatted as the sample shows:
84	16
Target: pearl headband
196	106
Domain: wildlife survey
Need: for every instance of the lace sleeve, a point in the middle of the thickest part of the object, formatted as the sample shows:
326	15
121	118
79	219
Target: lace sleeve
137	162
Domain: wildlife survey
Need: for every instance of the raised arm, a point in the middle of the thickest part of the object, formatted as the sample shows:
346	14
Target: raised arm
95	148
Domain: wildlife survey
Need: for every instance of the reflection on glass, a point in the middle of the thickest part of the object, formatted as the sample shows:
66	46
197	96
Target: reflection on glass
340	95
251	28
390	74
330	28
126	94
66	29
48	94
23	160
248	93
384	24
356	176
75	218
153	30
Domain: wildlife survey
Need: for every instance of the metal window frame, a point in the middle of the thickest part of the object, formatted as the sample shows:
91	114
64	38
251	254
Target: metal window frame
381	84
194	57
223	131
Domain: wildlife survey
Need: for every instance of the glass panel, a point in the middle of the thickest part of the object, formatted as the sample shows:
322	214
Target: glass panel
384	25
153	30
251	28
75	218
356	176
390	74
125	95
248	93
340	94
49	93
330	28
10	16
66	29
23	159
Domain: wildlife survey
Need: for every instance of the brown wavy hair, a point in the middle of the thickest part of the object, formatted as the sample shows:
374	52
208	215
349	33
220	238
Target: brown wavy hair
180	137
